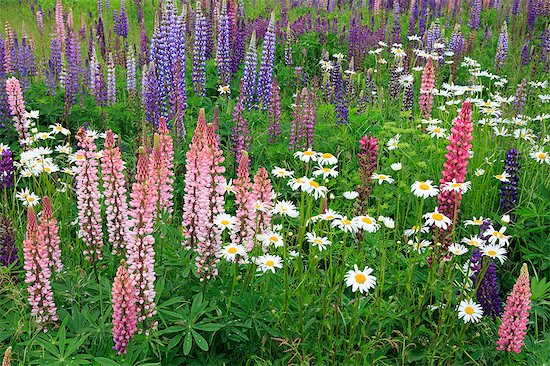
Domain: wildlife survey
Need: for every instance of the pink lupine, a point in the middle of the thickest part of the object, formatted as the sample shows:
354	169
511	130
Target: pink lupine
114	190
124	309
244	200
516	315
87	188
38	275
139	249
167	147
162	176
192	186
210	204
426	89
48	236
59	24
17	109
455	168
262	200
8	47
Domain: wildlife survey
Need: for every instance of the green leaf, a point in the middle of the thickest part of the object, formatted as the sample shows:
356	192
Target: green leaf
203	344
187	343
105	361
208	327
174	341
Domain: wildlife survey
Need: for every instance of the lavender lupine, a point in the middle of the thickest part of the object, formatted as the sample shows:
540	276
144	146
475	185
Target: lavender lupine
122	21
502	47
97	81
303	123
475	12
249	79
111	80
531	16
55	64
6	169
240	133
4	114
265	75
223	55
151	97
509	189
199	53
73	70
131	72
275	112
8	250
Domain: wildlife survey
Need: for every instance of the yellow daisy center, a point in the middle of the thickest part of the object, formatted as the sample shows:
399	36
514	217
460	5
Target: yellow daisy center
308	153
314	184
360	278
456	185
491	253
541	155
232	250
317	241
346	221
366	220
382	177
327	156
424	186
326	170
499	176
30	199
273	238
469	310
437	216
225	222
269	263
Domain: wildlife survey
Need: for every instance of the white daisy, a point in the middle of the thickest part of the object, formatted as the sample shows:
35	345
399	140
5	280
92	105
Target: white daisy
306	156
382	178
457	186
366	223
469	311
424	189
494	251
230	252
318	241
360	280
495	235
474	241
326	159
437	219
504	177
269	263
225	221
457	249
350	195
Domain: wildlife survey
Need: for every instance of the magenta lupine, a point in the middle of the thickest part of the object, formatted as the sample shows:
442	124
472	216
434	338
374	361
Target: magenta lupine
516	315
426	89
367	165
88	196
111	80
114	190
125	315
210	204
240	133
48	236
17	110
139	249
262	200
192	186
275	112
303	123
454	168
38	275
244	200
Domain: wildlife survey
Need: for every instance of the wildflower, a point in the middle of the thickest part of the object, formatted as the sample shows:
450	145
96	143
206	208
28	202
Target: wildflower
424	189
330	215
382	178
231	252
344	224
479	172
326	172
504	177
475	221
540	156
437	219
269	263
124	309
474	241
282	173
360	280
296	183
393	143
494	235
494	251
318	241
387	221
456	186
316	189
457	249
436	131
416	229
469	311
271	238
228	186
306	156
326	159
419	246
225	221
350	195
366	223
224	90
285	208
396	166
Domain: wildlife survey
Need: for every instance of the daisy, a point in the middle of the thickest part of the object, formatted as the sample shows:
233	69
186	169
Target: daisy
326	172
260	206
435	131
350	195
57	128
382	178
360	280
494	251
495	235
330	215
469	311
295	183
318	241
366	223
387	221
315	188
396	166
393	143
540	156
269	263
285	208
31	200
475	221
228	186
505	218
231	251
345	224
457	249
456	186
437	219
504	177
416	229
306	156
424	189
326	159
474	241
282	173
479	172
224	89
64	149
419	246
50	167
225	221
271	238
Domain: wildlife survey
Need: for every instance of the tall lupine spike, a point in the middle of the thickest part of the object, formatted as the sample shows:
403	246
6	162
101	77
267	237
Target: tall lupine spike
475	11
59	23
244	200
152	102
4	108
48	236
516	315
275	112
87	188
125	315
161	182
367	165
139	250
8	48
131	72
502	48
114	190
340	96
38	275
487	292
192	183
288	46
509	189
262	199
426	89
111	80
250	73
303	123
223	54
7	169
521	96
455	169
240	133
167	148
199	52
265	76
8	250
210	205
17	109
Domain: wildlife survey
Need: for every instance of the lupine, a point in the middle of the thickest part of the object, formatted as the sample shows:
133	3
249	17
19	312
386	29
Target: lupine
250	73
160	181
139	249
7	169
3	96
199	53
262	199
531	16
265	76
8	250
454	168
87	188
475	11
59	24
124	309
303	123
521	96
131	72
275	112
167	148
111	80
210	204
38	275
288	47
487	292
502	48
340	98
151	97
516	315
73	70
17	109
426	89
48	236
122	21
8	48
55	64
114	190
240	133
244	200
367	165
509	189
97	81
223	55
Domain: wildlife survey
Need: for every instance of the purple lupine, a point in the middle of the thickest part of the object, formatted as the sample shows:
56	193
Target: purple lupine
250	73
6	169
531	16
199	53
100	37
143	45
71	82
509	189
303	124
55	63
487	292
121	27
545	47
475	12
160	54
238	44
525	52
240	133
152	105
502	48
179	104
111	80
275	112
223	55
8	250
396	32
97	81
4	116
515	7
340	99
40	21
131	72
265	75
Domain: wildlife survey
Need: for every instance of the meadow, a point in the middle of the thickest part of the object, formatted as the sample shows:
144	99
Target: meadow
281	182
